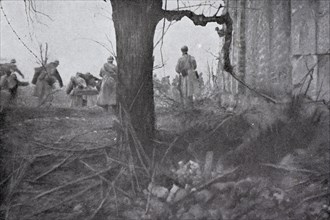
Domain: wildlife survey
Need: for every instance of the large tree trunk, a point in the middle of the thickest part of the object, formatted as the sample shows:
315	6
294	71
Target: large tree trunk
135	23
242	47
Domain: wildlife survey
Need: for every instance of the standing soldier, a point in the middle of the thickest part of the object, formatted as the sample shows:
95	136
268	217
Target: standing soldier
107	95
186	66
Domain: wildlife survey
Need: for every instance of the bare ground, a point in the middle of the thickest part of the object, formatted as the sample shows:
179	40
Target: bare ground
54	164
48	148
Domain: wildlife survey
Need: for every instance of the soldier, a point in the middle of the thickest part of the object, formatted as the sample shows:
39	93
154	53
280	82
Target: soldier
9	68
9	79
92	84
107	95
44	78
8	90
81	88
186	66
76	84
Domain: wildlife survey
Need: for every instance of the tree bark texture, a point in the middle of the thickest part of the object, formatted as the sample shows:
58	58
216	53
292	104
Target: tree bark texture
135	23
242	47
264	33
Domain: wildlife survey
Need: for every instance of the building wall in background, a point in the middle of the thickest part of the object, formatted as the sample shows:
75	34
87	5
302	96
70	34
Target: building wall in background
287	47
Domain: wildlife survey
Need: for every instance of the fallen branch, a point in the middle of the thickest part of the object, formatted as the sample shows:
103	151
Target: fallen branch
207	184
86	132
64	200
106	180
168	149
92	169
137	143
232	73
21	172
26	192
313	197
152	180
8	177
309	179
72	182
71	150
289	169
99	207
214	130
53	168
112	159
116	200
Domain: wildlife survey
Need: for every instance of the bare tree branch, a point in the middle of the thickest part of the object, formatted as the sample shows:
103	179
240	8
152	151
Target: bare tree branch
200	20
33	8
16	34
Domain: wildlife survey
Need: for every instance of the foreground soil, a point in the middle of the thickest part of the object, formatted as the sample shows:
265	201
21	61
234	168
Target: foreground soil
46	147
55	166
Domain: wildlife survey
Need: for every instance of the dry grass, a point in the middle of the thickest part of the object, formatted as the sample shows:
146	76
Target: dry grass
56	166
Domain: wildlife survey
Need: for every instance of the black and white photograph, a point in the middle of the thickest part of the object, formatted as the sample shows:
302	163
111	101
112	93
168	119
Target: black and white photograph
164	109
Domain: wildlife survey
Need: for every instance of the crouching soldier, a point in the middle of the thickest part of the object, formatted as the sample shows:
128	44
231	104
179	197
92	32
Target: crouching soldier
8	90
7	74
80	88
93	87
44	78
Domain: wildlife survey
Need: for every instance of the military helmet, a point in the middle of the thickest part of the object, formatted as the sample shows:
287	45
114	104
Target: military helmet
184	49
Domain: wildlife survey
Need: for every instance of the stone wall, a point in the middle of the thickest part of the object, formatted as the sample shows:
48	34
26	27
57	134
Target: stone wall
287	46
310	47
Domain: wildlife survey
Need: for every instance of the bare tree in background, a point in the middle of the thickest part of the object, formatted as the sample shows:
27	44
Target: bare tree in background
43	54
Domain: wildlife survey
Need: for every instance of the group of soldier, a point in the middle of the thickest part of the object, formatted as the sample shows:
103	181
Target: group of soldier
80	88
83	86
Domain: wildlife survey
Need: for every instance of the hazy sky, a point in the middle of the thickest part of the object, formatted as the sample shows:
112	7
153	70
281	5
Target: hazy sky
73	28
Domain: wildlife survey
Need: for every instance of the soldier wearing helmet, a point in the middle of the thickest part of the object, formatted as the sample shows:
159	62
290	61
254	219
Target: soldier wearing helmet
186	68
9	82
107	95
44	78
9	68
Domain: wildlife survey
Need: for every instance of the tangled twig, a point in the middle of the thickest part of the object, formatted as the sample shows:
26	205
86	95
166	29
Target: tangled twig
53	168
72	182
65	200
